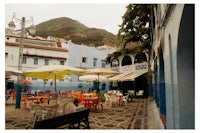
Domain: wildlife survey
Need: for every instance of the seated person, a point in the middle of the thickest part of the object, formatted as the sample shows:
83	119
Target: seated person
79	107
76	102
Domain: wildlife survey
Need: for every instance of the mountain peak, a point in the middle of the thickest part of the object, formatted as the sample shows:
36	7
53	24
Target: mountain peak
70	29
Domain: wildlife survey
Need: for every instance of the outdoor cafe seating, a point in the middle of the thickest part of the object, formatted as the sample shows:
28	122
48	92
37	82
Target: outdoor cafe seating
10	97
116	98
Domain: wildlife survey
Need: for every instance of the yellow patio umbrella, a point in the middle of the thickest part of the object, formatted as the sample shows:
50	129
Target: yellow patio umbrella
53	72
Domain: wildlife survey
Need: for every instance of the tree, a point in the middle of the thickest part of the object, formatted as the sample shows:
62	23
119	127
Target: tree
135	25
135	28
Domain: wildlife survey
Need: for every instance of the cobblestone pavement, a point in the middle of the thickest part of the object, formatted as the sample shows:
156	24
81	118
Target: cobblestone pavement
132	116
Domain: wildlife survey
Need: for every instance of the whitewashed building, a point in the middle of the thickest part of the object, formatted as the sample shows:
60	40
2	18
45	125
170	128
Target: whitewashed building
38	52
173	64
87	57
34	54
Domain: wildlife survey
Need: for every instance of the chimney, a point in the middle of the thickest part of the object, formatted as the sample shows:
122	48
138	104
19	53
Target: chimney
58	43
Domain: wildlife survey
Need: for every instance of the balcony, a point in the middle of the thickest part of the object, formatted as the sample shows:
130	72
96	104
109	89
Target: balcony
141	66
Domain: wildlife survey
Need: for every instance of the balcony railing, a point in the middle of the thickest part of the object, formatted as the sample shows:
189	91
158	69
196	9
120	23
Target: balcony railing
130	68
141	66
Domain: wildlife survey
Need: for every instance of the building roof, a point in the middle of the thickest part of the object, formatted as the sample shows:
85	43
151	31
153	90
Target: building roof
37	47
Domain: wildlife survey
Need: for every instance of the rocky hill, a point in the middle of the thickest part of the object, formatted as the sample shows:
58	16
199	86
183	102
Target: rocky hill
73	30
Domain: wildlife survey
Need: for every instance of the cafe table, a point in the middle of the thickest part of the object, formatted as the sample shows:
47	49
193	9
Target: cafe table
91	102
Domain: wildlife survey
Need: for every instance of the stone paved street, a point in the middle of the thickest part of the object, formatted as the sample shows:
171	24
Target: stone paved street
132	116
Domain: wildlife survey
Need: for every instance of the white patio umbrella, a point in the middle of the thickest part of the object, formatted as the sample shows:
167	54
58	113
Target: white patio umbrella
53	72
100	72
93	78
11	71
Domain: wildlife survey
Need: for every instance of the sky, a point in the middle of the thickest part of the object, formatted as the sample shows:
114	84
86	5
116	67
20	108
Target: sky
103	16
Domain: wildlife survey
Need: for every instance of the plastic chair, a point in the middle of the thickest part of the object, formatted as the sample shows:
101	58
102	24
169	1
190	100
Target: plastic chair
60	109
107	98
52	102
131	94
52	112
39	112
14	97
140	93
94	94
24	101
113	101
125	99
70	108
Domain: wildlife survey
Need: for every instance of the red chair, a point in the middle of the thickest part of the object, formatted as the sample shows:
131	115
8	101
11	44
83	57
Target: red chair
25	101
88	104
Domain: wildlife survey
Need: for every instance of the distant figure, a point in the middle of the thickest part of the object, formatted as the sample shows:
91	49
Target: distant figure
103	87
10	91
76	102
89	90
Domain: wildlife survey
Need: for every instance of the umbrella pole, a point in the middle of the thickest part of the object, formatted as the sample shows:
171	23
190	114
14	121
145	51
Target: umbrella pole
55	83
98	89
55	88
44	85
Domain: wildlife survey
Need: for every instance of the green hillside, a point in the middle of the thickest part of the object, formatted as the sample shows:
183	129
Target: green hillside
73	30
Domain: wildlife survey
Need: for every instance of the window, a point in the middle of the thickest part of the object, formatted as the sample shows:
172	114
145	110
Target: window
140	58
61	80
35	61
24	60
46	61
6	55
62	62
115	63
84	59
95	62
126	60
103	63
34	78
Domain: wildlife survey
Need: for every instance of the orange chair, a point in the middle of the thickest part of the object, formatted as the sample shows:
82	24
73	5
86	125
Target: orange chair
13	97
94	94
69	94
79	97
25	101
82	98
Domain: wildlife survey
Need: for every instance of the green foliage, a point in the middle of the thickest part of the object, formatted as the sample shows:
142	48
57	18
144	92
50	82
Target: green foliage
101	96
138	48
134	27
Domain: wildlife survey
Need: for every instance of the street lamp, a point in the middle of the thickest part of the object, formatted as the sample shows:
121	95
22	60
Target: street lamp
32	30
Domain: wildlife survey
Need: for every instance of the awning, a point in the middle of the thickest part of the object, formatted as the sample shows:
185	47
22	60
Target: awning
131	76
118	77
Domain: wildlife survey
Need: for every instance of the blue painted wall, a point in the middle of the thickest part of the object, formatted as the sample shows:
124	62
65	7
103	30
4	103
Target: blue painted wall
178	73
185	69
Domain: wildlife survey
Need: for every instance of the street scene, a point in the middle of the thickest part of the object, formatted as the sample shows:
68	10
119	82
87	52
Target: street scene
99	66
